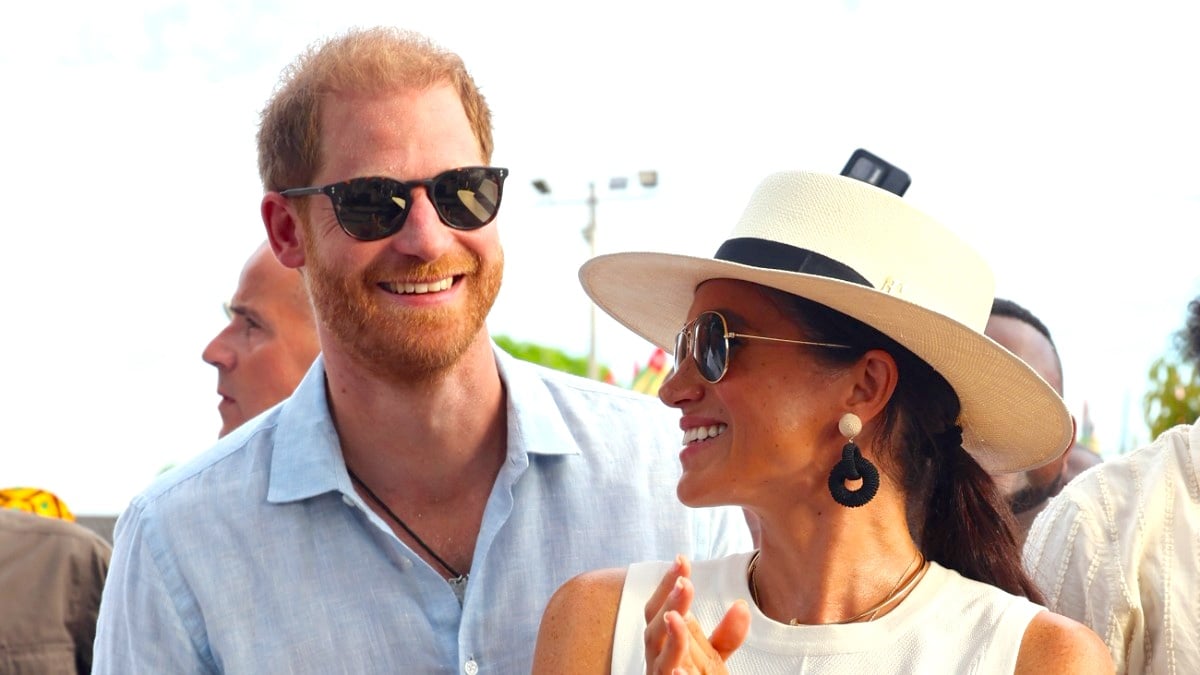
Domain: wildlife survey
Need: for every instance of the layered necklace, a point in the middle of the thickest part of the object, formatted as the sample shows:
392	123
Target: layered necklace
457	580
899	591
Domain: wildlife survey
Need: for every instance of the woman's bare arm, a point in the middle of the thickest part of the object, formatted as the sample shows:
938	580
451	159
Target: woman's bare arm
576	634
1055	644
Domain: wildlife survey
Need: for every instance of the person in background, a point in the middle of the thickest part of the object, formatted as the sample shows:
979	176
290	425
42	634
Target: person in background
833	380
415	502
36	501
1080	458
1119	547
269	344
1020	332
52	574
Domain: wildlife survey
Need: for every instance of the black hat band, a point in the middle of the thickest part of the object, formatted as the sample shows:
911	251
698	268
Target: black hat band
787	258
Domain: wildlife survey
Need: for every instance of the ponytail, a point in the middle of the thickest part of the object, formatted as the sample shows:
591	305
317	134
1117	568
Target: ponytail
956	514
968	527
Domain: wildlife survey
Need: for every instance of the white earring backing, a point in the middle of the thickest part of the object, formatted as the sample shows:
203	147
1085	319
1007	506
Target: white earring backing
850	425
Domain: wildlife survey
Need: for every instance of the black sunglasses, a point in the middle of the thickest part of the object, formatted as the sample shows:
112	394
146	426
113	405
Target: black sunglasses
376	207
707	339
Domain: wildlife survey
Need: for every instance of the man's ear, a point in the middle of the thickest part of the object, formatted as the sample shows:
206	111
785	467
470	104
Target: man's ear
873	382
284	230
1066	454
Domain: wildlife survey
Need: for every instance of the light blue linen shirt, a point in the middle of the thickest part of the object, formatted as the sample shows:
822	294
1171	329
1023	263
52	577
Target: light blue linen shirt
259	557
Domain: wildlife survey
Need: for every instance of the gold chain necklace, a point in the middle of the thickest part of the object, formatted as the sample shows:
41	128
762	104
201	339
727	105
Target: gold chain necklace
900	590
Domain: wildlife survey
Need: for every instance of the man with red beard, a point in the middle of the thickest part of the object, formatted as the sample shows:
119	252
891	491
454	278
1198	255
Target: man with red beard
416	501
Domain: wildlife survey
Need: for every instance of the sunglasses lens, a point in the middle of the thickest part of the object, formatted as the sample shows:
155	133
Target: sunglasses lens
710	349
468	199
374	208
371	208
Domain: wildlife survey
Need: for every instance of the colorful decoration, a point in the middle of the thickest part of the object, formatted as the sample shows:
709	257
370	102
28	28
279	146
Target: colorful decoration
36	501
648	379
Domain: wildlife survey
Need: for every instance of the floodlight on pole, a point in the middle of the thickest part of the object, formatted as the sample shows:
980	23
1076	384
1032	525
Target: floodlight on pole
647	179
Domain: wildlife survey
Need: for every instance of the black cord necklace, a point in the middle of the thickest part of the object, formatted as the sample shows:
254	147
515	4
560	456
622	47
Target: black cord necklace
456	577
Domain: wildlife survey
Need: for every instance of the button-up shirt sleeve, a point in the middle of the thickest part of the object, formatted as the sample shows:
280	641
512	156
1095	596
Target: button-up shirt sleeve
142	628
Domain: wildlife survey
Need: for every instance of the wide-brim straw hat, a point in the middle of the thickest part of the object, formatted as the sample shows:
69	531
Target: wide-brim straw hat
869	254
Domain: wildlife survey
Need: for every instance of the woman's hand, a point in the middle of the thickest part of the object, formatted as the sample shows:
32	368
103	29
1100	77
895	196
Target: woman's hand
674	641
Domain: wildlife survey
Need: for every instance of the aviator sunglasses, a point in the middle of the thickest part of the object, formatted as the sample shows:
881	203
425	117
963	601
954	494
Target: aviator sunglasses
707	339
376	207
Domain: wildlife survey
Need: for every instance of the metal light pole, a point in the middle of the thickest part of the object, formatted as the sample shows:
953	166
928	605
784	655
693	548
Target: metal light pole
589	235
648	179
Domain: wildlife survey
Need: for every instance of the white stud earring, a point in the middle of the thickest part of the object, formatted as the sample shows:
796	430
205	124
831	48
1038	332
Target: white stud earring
850	426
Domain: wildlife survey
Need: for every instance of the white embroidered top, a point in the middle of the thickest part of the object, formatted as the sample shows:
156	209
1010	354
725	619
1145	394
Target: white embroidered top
1119	550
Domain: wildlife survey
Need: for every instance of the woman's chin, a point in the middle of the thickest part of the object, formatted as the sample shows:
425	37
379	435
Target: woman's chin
696	495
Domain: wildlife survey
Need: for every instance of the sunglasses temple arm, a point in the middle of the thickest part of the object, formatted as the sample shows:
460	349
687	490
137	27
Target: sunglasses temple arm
301	192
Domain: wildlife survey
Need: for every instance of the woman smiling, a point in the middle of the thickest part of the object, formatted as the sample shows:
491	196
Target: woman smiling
834	381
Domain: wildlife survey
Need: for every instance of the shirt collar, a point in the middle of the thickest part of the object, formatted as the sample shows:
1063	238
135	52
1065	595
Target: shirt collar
306	459
535	420
307	454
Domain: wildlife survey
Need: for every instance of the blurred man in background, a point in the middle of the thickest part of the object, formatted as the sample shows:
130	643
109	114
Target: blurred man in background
51	577
1020	332
269	344
1118	548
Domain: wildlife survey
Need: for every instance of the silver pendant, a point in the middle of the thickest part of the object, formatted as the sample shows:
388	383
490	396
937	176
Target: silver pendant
458	584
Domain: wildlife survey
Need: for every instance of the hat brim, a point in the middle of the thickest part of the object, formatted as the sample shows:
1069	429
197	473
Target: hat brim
1012	419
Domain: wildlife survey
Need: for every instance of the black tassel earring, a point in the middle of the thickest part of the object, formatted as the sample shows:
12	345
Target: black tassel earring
853	466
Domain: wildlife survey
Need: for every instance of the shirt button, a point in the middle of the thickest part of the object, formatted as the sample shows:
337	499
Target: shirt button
406	563
470	667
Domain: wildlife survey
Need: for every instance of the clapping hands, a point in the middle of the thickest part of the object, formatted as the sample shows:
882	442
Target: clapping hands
675	642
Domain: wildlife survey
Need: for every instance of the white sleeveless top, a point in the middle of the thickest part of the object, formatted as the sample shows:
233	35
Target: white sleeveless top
947	624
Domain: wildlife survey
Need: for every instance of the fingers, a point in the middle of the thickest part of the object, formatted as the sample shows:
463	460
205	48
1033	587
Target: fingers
687	650
674	639
681	568
678	600
667	596
731	631
675	647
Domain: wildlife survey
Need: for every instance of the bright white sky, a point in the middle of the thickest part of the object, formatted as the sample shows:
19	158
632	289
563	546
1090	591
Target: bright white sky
1060	138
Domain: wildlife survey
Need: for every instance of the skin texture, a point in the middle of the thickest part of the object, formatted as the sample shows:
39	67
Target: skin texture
1029	345
575	641
413	385
819	562
269	344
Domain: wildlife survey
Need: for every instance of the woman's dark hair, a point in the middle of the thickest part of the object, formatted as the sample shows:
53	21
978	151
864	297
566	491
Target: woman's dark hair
956	514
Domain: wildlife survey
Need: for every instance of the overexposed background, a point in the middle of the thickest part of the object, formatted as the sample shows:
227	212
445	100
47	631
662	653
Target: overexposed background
1059	138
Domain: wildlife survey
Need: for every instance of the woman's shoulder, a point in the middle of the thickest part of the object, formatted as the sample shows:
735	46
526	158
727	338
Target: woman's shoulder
577	625
1056	644
595	585
1048	643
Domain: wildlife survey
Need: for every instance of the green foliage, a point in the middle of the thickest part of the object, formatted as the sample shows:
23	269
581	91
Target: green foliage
1173	395
551	358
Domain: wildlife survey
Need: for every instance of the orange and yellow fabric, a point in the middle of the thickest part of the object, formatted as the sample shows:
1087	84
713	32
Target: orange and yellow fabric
36	501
